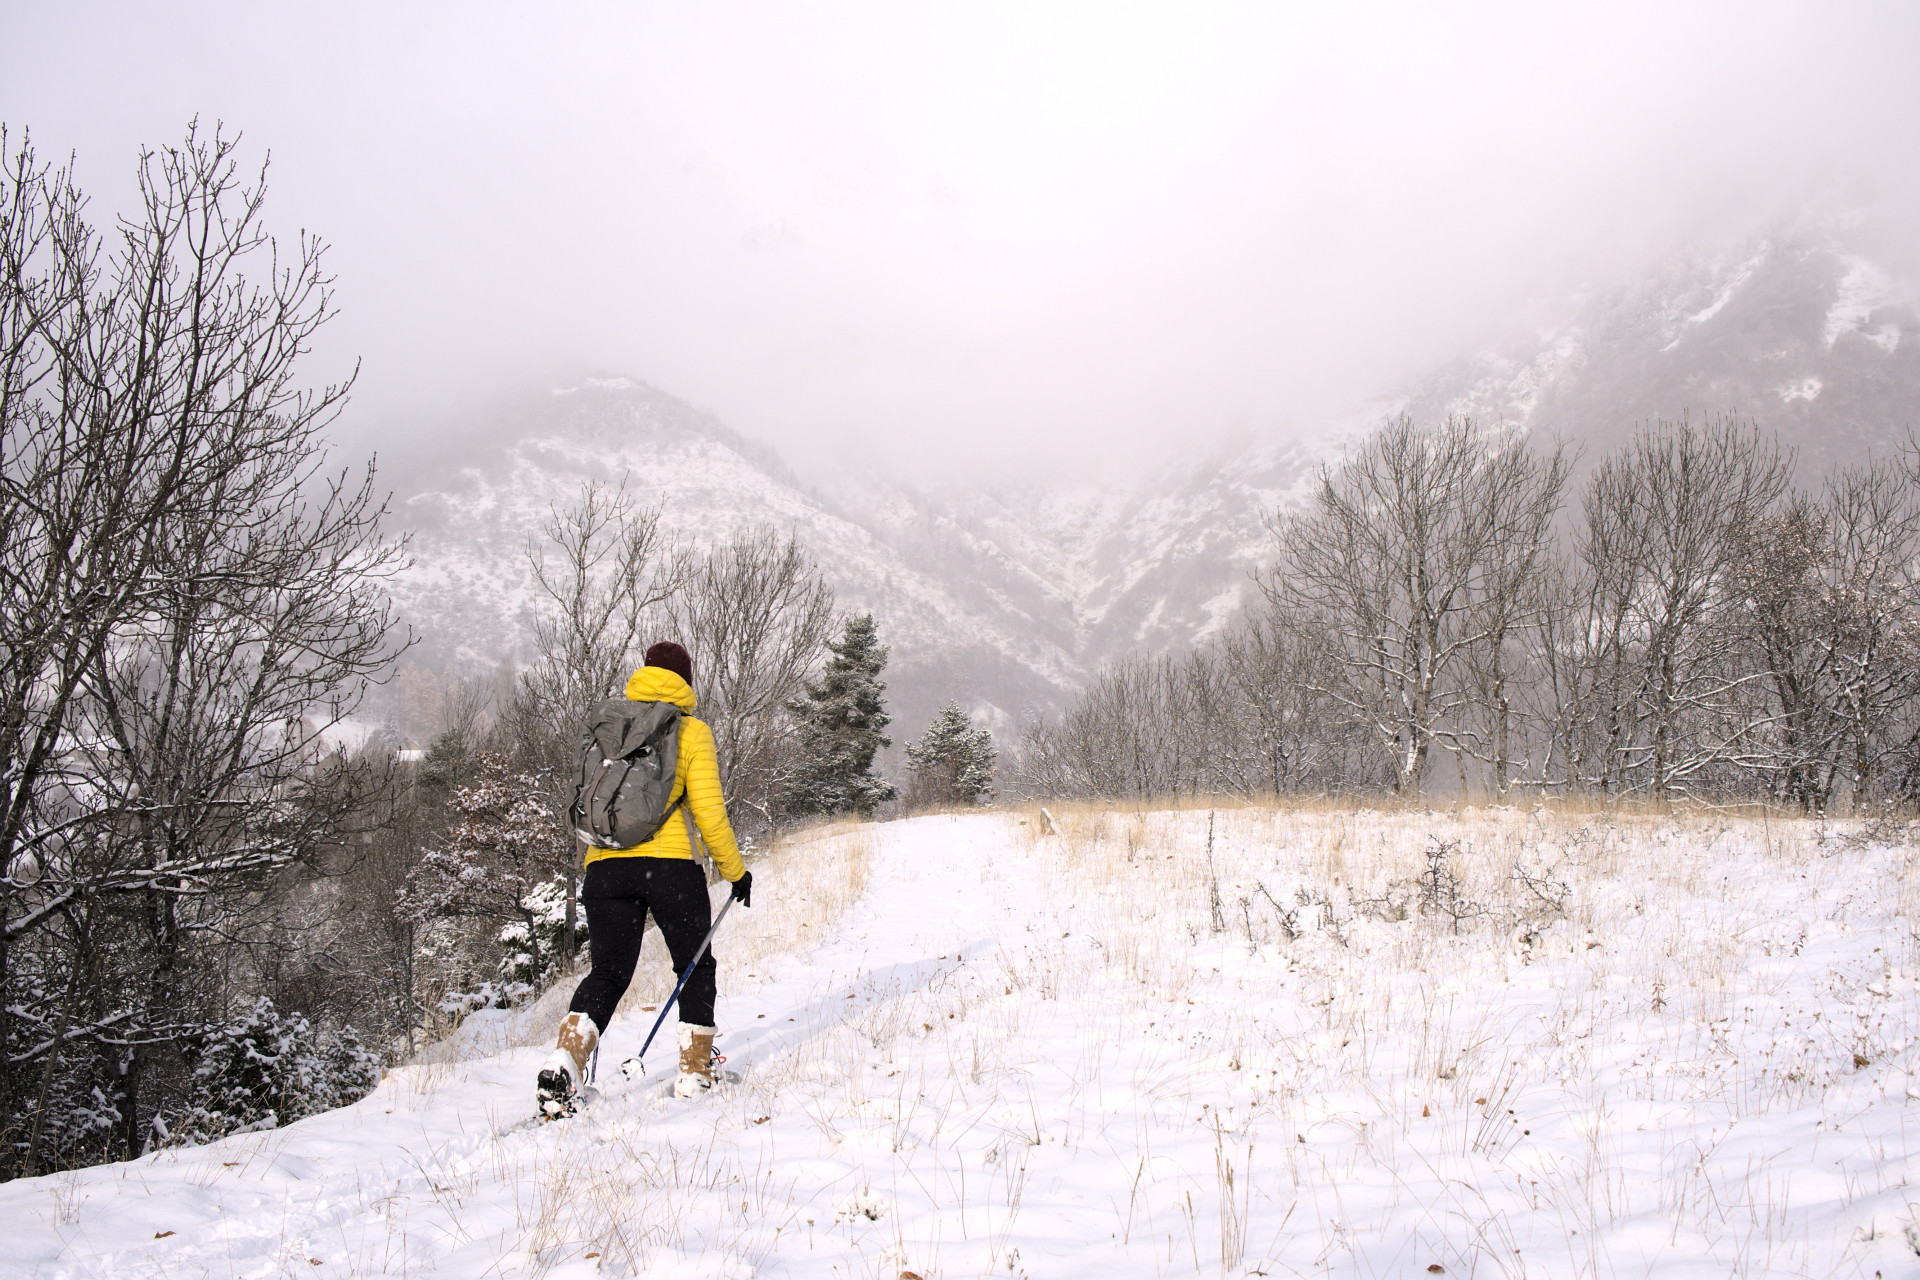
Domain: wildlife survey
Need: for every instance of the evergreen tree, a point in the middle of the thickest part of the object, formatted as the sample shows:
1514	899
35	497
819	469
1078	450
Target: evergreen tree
265	1068
840	722
952	763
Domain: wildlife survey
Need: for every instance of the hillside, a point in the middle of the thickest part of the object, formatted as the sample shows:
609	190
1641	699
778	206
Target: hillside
1682	1047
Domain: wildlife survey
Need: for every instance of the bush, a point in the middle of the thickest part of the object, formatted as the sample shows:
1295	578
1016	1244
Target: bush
535	957
456	1005
264	1069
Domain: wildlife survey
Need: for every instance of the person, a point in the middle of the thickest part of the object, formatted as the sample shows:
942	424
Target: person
661	876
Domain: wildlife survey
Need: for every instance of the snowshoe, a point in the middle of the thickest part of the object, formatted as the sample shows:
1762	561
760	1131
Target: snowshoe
557	1088
555	1093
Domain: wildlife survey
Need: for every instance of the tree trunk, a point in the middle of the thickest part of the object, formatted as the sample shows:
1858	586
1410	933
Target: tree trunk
130	1128
570	945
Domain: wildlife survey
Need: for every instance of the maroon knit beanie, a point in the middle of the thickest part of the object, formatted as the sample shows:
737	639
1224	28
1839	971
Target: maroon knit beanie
669	656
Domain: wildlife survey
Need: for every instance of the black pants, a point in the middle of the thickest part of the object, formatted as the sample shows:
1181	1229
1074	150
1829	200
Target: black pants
618	894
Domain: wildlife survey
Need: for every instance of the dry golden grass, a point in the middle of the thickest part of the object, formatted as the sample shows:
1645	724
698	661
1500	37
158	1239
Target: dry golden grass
1318	1034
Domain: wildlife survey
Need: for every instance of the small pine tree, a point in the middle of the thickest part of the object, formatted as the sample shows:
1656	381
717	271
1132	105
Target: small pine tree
447	760
264	1068
840	722
952	763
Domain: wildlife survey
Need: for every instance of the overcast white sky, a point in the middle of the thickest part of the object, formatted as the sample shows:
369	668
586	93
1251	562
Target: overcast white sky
975	232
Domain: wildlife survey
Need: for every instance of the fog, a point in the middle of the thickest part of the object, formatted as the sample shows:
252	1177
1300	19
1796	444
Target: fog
979	237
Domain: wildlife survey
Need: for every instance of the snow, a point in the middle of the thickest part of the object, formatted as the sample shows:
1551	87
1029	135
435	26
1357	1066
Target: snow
959	1046
1503	391
1862	290
1724	294
349	733
1221	610
1724	283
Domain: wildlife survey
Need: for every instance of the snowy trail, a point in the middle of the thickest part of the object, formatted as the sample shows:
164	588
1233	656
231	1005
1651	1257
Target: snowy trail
928	910
1065	1056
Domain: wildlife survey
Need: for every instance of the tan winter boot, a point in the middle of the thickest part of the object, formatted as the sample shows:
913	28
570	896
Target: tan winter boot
566	1066
696	1060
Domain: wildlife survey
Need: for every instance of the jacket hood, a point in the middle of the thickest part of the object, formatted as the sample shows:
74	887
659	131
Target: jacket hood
657	684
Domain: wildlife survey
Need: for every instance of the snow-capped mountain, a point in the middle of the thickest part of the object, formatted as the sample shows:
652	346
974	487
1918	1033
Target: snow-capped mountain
1002	598
1097	570
1796	331
1008	595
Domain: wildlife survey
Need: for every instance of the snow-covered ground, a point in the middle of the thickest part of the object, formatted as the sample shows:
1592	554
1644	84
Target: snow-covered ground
961	1046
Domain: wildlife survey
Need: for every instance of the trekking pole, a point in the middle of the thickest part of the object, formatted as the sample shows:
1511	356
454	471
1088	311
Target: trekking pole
630	1064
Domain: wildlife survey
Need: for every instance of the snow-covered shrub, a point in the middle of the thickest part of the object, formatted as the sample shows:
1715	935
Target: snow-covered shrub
1442	891
456	1005
266	1068
532	956
488	897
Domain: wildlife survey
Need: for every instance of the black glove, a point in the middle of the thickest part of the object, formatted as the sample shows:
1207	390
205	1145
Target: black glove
743	889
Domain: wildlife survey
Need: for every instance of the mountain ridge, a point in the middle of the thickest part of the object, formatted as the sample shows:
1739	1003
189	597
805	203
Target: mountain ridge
1009	595
1794	330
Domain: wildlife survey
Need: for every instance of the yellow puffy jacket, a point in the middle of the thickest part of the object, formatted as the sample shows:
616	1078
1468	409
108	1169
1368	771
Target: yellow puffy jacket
696	776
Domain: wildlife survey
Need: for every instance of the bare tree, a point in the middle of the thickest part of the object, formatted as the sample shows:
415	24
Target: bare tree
1872	578
186	605
756	616
1293	737
604	566
204	730
1410	559
1666	521
1828	597
1240	715
1518	496
1789	625
1557	703
1119	740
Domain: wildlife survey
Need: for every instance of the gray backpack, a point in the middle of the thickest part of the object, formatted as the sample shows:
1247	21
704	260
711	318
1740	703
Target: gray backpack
624	792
